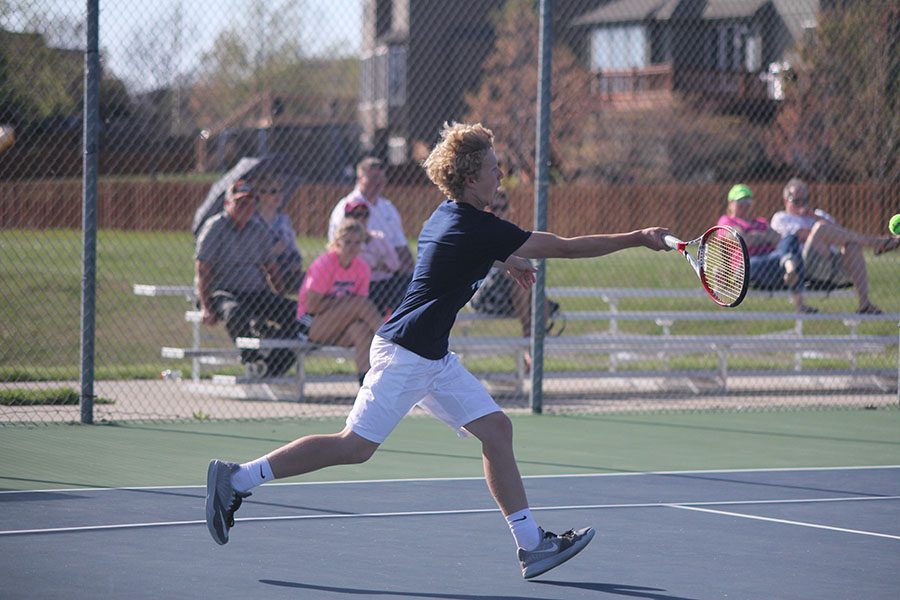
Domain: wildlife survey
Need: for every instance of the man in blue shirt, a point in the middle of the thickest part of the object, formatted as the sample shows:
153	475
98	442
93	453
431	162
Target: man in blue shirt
410	362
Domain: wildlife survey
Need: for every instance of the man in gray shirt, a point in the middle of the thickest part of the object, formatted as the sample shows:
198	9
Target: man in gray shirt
238	281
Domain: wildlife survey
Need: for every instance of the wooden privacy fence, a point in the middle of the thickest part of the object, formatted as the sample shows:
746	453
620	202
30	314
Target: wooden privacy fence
573	209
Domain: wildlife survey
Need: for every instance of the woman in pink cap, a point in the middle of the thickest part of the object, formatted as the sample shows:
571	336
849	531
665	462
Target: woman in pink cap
333	305
381	257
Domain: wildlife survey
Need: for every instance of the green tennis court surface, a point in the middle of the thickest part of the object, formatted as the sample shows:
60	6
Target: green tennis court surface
54	456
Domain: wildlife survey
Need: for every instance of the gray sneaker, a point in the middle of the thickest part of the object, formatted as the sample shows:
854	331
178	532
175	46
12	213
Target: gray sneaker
222	500
553	550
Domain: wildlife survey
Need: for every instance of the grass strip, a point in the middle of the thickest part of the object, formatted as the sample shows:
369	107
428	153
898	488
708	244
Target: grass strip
44	397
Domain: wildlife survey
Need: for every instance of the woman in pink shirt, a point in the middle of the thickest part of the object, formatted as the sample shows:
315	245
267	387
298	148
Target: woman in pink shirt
333	305
388	284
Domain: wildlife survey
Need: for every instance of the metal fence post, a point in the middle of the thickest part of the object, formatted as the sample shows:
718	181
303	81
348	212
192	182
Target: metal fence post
542	167
89	209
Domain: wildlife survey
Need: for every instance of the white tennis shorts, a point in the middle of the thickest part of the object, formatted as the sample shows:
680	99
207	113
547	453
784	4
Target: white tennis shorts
400	379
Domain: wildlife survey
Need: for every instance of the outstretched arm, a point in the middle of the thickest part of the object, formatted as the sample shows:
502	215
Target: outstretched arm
542	244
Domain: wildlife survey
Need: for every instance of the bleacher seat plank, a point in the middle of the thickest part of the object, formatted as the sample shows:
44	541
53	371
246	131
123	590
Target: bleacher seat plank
611	342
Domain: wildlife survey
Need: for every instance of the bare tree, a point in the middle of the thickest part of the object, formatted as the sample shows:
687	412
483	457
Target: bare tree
250	59
59	29
841	115
506	98
159	51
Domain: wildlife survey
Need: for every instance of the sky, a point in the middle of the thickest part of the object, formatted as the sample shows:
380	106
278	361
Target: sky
322	25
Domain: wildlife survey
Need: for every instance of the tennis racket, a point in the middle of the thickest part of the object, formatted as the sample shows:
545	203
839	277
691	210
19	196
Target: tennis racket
722	263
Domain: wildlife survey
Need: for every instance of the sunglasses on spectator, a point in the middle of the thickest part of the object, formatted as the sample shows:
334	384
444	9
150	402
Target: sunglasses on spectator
359	213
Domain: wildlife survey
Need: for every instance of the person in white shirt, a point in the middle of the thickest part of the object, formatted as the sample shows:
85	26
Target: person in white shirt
831	253
384	218
383	215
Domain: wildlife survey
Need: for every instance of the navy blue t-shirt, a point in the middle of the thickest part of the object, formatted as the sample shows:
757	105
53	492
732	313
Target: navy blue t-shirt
457	248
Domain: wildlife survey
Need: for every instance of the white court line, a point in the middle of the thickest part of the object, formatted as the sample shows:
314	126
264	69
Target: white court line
481	478
785	521
465	511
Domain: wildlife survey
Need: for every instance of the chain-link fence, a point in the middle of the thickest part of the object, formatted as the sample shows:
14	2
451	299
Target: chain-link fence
230	141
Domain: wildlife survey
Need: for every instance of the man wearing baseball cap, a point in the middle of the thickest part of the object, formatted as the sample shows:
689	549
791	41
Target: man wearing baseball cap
774	261
238	281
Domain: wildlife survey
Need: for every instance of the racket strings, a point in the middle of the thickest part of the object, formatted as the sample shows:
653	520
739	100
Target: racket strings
723	266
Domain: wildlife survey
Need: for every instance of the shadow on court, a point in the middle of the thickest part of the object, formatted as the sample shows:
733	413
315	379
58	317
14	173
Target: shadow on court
630	591
366	593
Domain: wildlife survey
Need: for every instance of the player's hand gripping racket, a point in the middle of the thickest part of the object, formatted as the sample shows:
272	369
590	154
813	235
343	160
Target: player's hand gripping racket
722	263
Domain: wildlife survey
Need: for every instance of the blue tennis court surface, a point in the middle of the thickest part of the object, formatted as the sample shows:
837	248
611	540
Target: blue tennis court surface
829	533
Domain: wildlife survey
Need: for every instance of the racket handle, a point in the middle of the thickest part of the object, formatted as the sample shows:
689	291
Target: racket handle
672	242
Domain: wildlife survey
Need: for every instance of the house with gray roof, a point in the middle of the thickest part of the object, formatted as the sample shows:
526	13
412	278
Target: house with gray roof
722	52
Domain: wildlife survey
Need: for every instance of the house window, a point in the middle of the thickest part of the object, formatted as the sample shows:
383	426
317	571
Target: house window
397	75
734	48
382	76
384	12
623	47
753	53
724	53
367	79
396	154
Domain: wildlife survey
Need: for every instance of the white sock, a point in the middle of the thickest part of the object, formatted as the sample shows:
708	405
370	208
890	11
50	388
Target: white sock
524	529
252	474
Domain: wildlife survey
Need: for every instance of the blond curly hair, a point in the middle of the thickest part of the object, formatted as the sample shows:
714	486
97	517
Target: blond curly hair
346	228
458	156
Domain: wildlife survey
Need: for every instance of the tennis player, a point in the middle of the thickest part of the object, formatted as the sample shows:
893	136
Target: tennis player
410	362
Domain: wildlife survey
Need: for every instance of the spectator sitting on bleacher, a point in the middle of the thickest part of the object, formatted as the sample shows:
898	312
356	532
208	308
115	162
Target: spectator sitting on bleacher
831	253
270	209
385	289
774	261
383	217
499	295
238	282
333	305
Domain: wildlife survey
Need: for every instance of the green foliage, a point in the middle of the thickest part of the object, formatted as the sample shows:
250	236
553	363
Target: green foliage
41	74
36	82
43	397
